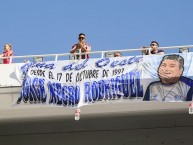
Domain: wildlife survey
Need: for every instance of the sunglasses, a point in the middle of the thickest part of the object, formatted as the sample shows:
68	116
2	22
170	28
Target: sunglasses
153	44
81	38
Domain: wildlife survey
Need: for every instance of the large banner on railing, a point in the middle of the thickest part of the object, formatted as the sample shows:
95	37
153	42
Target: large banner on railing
73	83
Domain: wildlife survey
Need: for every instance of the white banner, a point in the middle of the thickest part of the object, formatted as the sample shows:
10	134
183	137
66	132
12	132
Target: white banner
74	83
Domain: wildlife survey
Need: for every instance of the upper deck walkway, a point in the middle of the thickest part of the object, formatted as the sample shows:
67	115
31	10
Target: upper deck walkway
97	54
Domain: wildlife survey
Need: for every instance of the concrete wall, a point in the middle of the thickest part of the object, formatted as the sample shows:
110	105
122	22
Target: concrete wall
168	128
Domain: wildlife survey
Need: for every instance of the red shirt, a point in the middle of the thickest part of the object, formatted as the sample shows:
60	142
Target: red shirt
87	46
6	54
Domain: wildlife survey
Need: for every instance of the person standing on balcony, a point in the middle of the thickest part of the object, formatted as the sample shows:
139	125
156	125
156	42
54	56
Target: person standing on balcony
81	47
8	52
154	49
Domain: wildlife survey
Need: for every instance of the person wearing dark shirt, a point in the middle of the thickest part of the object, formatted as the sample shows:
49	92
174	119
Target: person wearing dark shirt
154	49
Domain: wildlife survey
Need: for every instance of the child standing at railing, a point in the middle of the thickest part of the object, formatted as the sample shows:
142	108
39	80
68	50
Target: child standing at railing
8	52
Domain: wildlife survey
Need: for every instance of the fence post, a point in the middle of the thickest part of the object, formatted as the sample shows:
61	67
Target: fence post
10	61
102	54
56	57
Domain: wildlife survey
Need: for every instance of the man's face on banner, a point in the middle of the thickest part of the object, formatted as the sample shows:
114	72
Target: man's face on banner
169	71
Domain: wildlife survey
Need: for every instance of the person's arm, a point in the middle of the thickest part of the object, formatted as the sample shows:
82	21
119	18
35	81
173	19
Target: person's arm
10	53
85	49
74	48
161	52
146	52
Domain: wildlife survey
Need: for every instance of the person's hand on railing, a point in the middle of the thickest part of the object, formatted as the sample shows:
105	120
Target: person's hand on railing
145	51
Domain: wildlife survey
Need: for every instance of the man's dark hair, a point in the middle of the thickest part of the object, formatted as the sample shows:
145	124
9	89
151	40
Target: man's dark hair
155	42
81	34
178	58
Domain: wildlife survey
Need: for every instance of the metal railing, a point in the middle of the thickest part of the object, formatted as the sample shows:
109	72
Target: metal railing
102	53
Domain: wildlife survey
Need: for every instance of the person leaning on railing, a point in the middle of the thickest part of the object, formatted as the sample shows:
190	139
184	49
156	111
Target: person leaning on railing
81	47
154	49
8	52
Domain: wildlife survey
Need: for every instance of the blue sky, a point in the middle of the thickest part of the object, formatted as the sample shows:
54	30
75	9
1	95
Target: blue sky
52	26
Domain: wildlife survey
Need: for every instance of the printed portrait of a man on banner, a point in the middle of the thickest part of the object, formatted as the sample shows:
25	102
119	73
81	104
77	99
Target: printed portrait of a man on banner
172	86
